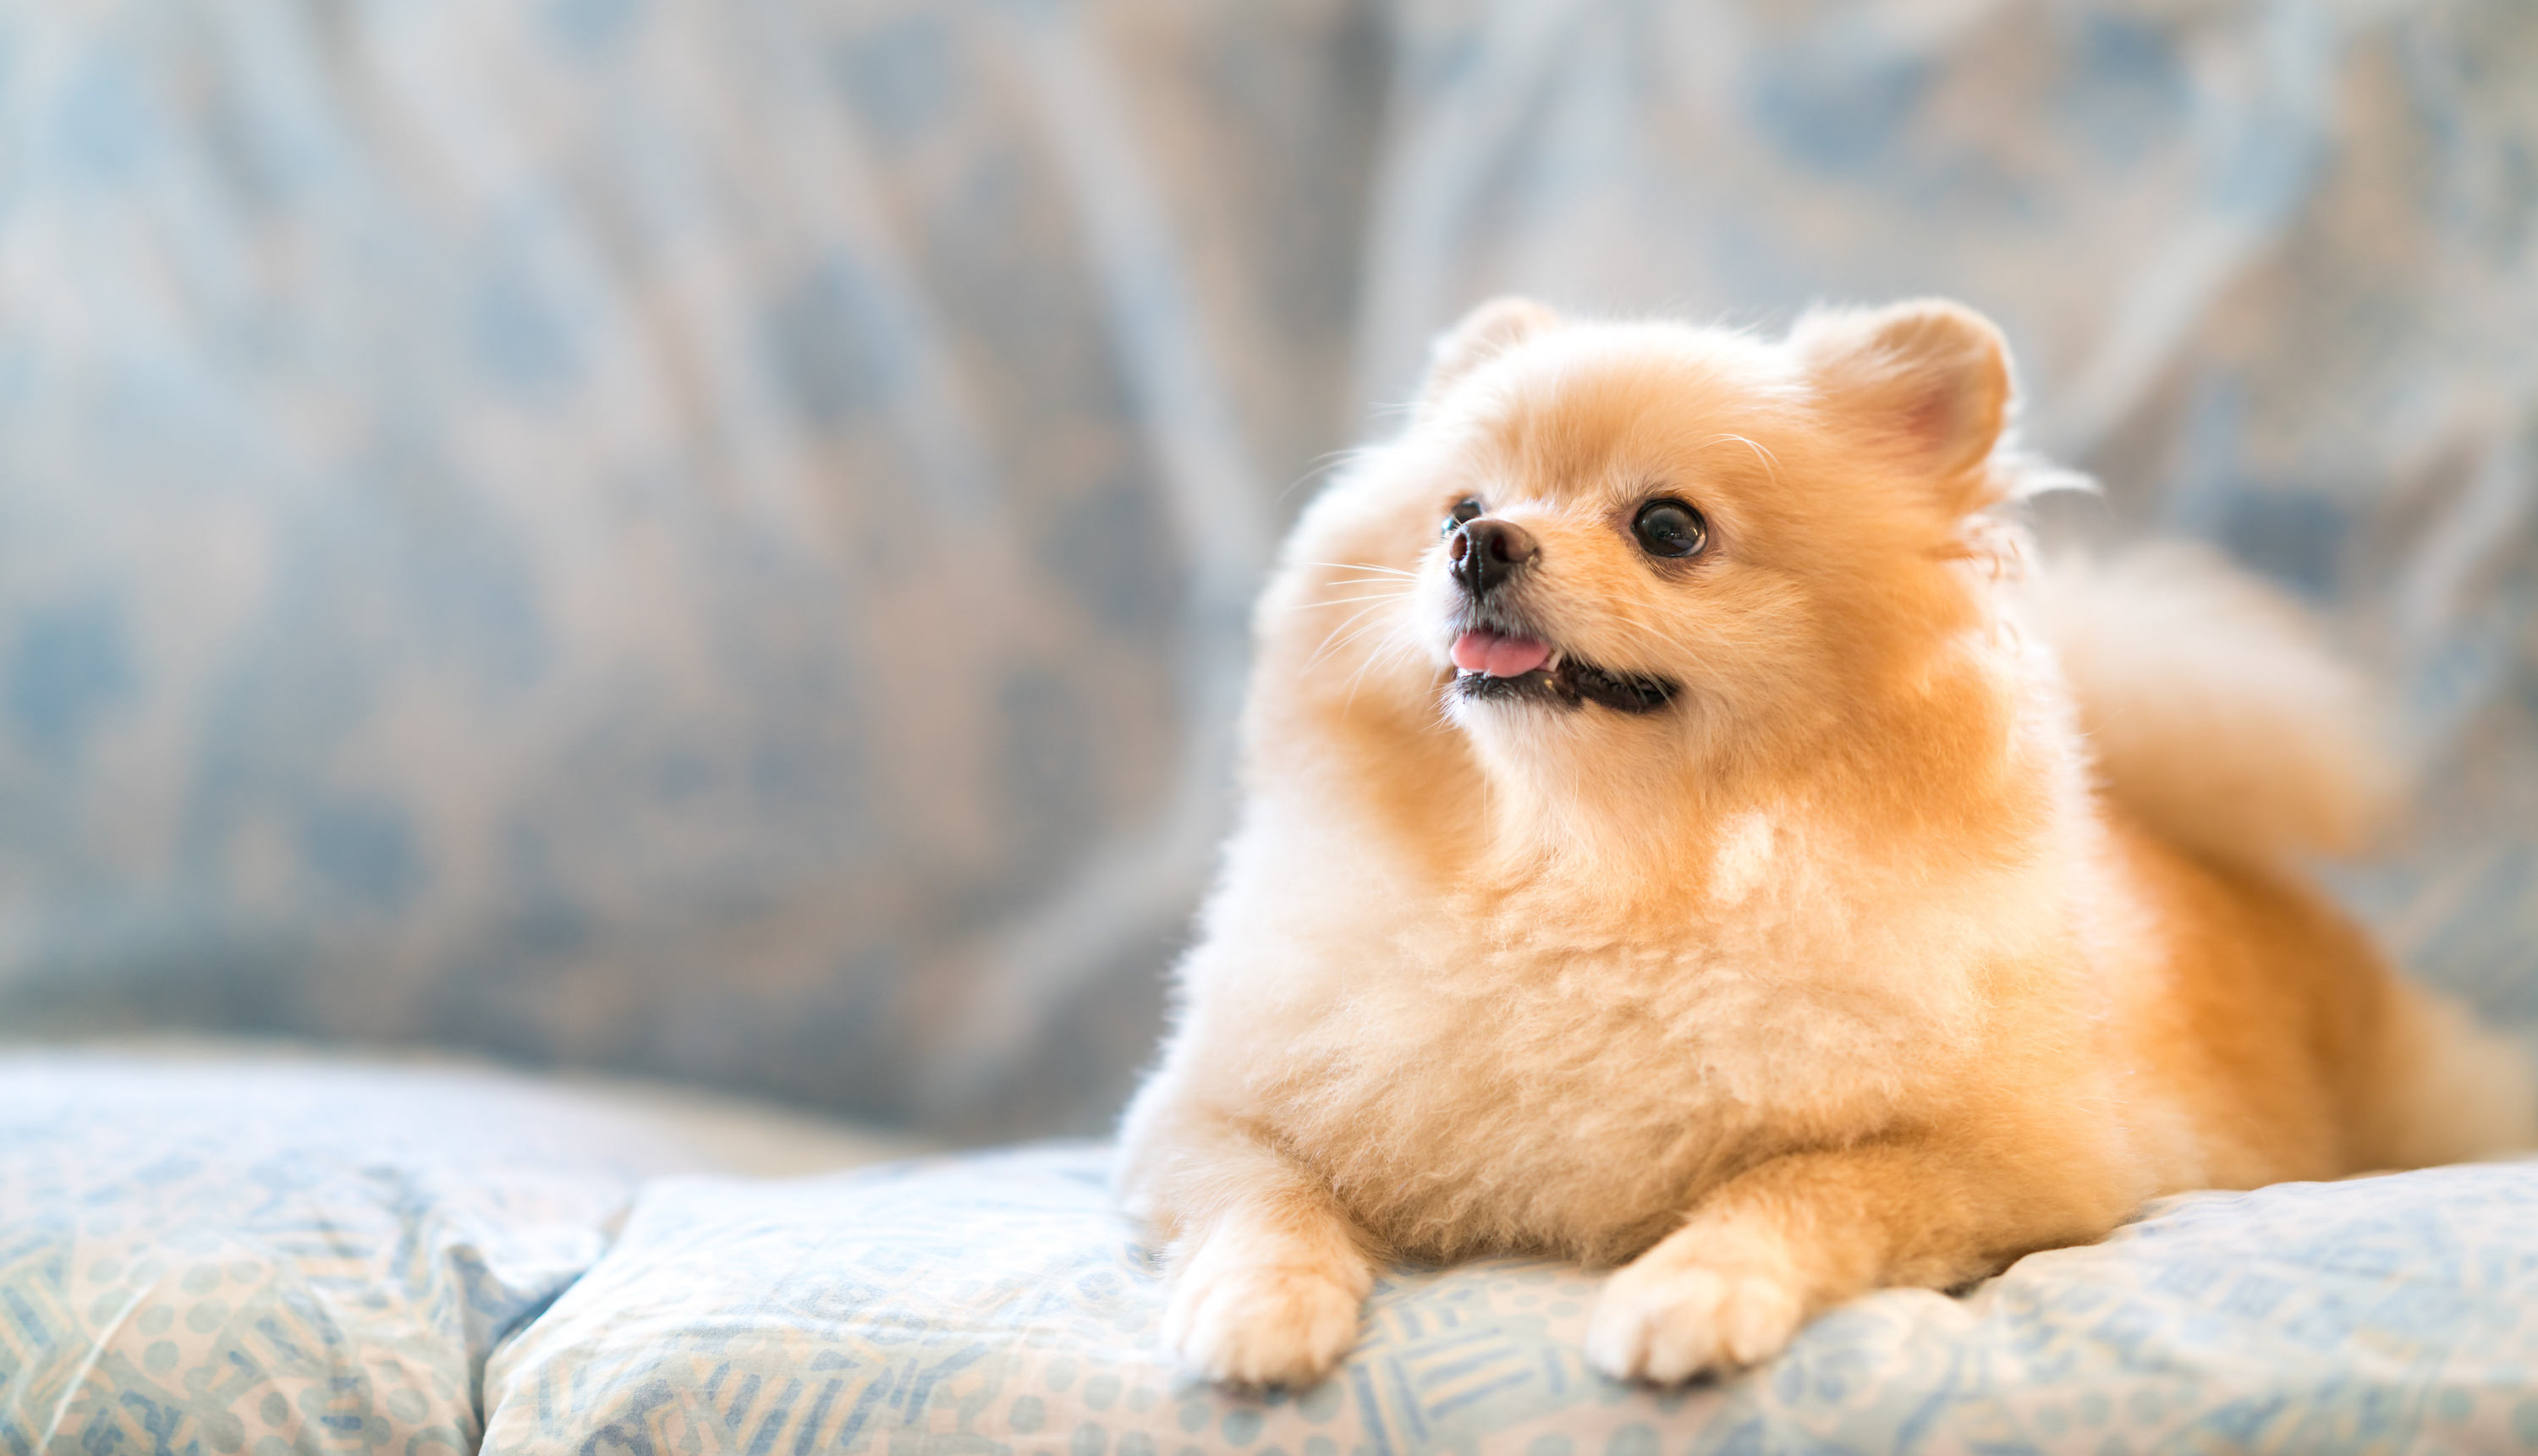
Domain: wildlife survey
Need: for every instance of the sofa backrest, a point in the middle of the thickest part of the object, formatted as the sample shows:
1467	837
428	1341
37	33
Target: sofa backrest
715	538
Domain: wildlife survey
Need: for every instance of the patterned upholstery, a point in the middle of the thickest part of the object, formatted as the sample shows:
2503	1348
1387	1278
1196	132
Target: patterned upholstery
279	1258
998	1302
231	1257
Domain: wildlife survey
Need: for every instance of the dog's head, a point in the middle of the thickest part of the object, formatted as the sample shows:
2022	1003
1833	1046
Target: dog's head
1601	542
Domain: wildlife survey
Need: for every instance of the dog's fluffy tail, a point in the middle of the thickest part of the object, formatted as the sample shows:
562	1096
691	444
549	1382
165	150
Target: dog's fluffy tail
2449	1091
2215	710
2220	718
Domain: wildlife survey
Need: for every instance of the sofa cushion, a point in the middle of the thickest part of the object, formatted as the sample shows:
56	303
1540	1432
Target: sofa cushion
997	1302
215	1257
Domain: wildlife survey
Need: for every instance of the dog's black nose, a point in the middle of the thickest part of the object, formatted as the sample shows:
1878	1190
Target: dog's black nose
1485	551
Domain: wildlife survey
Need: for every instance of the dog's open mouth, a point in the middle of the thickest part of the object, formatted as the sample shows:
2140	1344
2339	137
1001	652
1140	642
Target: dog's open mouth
1502	666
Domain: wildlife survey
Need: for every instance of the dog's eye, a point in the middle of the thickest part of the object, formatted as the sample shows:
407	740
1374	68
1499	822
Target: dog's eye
1464	509
1669	528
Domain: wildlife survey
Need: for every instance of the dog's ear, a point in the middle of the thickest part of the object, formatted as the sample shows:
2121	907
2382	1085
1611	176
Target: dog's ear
1928	380
1489	330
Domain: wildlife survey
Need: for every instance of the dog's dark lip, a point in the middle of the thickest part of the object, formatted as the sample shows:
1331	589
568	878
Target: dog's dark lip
1566	682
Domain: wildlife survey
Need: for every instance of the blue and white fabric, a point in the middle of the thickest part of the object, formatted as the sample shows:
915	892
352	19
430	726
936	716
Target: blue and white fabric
998	1302
686	535
310	1258
271	1258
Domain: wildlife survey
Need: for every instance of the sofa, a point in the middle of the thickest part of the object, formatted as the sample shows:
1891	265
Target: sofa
709	541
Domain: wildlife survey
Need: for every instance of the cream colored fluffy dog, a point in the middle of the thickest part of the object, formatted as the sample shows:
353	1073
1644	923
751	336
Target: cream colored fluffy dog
1675	836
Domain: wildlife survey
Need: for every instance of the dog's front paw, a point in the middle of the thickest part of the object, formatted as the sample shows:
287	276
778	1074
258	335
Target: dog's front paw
1667	1319
1256	1324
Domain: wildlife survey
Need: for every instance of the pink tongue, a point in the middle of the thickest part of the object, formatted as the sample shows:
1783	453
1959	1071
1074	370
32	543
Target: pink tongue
1499	656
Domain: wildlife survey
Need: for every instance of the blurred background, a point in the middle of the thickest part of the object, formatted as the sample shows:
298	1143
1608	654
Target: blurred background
710	538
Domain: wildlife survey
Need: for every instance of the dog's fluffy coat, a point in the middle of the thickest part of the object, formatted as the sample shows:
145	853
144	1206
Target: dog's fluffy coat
1937	917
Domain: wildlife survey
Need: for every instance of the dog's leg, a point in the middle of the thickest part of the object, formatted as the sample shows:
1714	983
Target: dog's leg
1267	1271
1782	1242
1268	1292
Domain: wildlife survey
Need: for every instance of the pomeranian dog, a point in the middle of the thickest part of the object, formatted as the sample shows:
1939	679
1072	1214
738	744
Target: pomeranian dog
1678	834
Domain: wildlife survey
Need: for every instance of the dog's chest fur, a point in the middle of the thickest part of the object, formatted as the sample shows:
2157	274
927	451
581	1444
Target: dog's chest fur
1537	1074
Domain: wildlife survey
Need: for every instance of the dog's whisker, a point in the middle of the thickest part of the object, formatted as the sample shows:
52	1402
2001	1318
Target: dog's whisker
1383	652
1325	464
1381	596
1770	462
1329	646
1358	567
1335	642
1372	627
